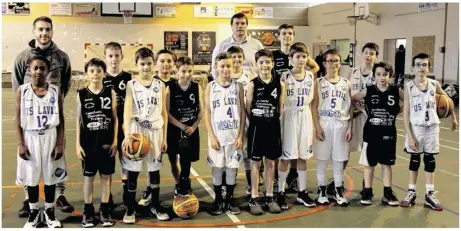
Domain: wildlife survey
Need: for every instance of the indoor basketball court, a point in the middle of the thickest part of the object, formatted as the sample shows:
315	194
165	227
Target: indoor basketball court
84	37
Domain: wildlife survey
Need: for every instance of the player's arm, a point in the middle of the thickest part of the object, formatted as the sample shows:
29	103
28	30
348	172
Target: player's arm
350	108
241	106
78	146
282	99
360	95
114	115
164	115
200	108
19	131
451	105
19	71
314	67
127	110
401	100
249	98
60	129
171	118
66	75
209	127
315	105
406	114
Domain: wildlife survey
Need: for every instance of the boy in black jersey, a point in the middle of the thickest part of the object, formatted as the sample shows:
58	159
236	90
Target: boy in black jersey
117	79
379	134
97	129
184	105
264	105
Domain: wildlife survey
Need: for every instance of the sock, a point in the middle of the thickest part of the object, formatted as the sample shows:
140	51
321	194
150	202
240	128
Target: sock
321	175
60	188
387	189
104	207
302	180
155	192
88	209
125	191
49	205
282	180
429	187
230	191
412	186
33	205
248	176
26	194
338	173
218	192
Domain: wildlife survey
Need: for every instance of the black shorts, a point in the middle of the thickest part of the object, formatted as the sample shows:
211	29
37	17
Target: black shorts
264	140
192	153
101	161
379	151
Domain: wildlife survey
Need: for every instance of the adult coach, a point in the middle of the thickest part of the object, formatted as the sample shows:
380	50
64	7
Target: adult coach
239	24
59	75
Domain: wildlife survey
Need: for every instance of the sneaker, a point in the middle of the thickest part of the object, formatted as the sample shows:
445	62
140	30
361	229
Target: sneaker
390	198
88	218
432	202
303	198
367	196
322	198
248	191
282	200
130	216
50	220
410	198
159	212
34	219
255	207
231	207
63	205
106	219
25	210
272	205
331	188
339	197
217	207
146	198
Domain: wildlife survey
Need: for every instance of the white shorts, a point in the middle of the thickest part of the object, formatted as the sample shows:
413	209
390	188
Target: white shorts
227	156
297	135
334	146
154	157
41	145
357	132
427	139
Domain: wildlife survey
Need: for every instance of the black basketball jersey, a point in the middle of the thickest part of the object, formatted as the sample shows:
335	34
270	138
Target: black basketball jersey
266	100
382	109
282	63
184	105
96	120
118	83
167	83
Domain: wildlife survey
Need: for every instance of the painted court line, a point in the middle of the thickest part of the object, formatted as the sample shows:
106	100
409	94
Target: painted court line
212	194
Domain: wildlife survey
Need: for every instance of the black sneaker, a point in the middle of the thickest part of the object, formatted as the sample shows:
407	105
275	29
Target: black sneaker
34	219
25	210
367	196
88	217
146	198
255	207
273	205
282	200
105	217
410	198
218	206
432	202
339	197
303	198
231	207
63	205
331	189
50	219
322	198
390	198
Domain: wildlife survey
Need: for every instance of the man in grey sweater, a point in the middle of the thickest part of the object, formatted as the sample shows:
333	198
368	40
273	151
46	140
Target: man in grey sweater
60	74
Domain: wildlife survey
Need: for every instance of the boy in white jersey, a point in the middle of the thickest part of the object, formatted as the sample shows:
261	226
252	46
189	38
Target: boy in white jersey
331	112
297	126
40	133
145	113
422	130
225	122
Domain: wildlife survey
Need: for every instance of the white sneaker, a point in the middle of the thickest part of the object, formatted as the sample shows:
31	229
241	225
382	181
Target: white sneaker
50	220
34	219
159	212
129	218
146	199
322	198
339	198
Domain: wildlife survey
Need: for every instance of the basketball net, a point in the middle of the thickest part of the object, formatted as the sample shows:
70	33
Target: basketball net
127	16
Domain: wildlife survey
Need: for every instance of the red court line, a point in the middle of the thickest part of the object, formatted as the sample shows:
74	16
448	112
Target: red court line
9	202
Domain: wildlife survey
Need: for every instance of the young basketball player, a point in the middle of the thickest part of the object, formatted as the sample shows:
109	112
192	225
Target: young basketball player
286	36
117	79
264	106
97	128
380	135
225	121
331	111
40	133
422	130
145	113
184	105
297	126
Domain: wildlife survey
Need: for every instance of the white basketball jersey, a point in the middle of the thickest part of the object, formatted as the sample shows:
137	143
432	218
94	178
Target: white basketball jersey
360	82
423	109
147	104
225	112
39	112
299	93
334	99
244	80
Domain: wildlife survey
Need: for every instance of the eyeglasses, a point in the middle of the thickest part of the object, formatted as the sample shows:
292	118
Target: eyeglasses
423	65
332	61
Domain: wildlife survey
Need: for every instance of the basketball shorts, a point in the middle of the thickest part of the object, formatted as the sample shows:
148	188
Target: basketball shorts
41	145
174	136
427	139
357	132
264	140
154	157
227	156
98	160
379	151
297	135
334	146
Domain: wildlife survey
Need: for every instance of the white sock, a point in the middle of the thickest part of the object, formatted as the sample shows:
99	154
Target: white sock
321	175
282	180
338	173
33	205
429	187
49	205
412	186
26	193
302	180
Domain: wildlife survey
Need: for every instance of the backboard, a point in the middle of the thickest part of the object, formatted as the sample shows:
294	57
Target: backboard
142	9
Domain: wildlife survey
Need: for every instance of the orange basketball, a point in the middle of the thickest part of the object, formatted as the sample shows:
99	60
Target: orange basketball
186	207
140	147
443	105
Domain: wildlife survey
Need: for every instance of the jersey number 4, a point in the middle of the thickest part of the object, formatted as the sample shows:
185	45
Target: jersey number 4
274	93
229	112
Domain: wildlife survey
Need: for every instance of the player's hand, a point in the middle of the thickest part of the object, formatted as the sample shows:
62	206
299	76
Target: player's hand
58	152
454	125
189	130
238	143
164	146
128	142
23	152
113	149
319	134
412	143
348	134
80	153
214	143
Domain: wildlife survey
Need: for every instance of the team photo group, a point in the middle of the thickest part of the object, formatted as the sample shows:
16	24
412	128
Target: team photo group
272	111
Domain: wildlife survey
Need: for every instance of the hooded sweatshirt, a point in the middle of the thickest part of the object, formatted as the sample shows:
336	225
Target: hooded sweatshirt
60	72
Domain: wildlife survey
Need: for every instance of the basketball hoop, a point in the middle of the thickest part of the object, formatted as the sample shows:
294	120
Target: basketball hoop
353	19
127	16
